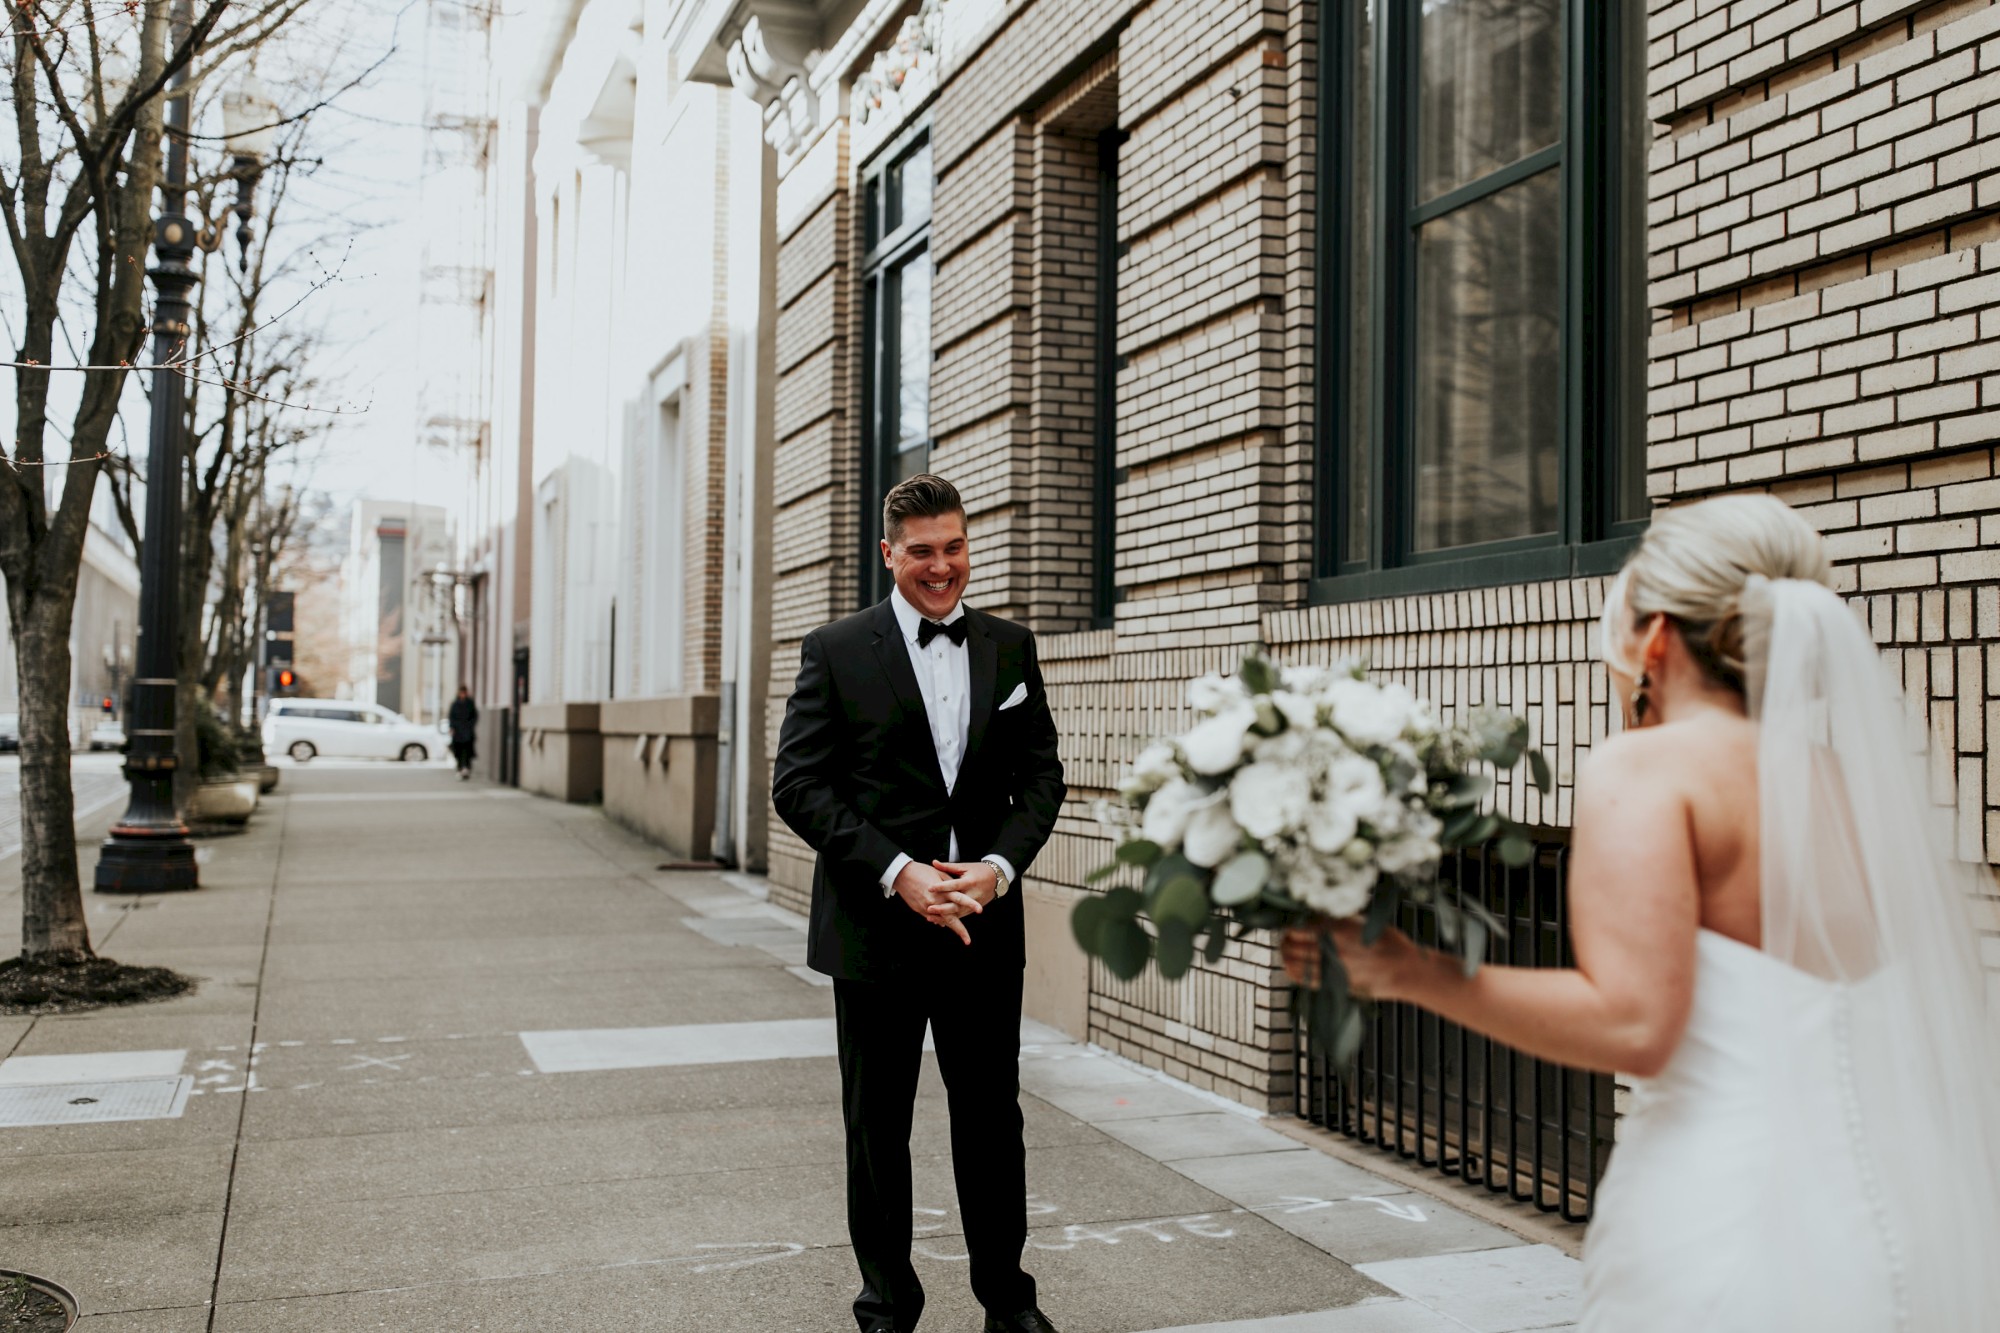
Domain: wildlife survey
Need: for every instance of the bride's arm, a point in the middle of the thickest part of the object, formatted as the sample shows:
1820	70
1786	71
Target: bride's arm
1634	913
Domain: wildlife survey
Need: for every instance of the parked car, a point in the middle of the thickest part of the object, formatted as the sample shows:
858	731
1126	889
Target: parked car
107	736
345	728
10	733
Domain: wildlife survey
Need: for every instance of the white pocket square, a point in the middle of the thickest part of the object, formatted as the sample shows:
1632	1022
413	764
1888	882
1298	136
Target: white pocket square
1019	695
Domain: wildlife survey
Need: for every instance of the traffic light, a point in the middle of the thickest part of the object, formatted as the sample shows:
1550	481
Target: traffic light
282	680
107	705
286	680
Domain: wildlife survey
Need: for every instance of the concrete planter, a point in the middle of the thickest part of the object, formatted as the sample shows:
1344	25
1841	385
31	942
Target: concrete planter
562	751
228	801
55	1291
659	769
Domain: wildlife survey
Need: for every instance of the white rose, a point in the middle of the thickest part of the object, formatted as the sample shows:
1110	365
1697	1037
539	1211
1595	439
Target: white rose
1212	693
1269	798
1299	712
1368	714
1168	812
1355	781
1330	825
1335	888
1156	766
1405	853
1211	835
1287	747
1216	745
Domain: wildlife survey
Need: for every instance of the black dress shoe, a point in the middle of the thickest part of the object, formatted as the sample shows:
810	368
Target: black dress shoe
1029	1320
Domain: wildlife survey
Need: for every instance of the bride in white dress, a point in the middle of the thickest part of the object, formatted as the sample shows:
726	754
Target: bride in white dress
1774	939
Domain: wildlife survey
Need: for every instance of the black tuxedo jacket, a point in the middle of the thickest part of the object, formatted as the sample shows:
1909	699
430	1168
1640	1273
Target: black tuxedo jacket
857	777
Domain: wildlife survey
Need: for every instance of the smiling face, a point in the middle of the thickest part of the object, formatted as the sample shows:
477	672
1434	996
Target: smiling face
930	560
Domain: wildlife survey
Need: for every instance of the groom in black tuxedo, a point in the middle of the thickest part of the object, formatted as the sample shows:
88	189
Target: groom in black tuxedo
918	758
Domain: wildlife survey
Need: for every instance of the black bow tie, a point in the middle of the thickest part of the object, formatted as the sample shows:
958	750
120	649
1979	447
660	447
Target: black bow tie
930	629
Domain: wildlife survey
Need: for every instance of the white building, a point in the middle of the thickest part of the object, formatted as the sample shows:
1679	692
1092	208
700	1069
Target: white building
629	409
102	635
396	613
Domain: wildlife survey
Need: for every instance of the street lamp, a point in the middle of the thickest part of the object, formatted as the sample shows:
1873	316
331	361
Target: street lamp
250	128
148	850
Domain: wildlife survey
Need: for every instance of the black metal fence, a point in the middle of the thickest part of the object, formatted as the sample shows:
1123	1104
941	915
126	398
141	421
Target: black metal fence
1433	1093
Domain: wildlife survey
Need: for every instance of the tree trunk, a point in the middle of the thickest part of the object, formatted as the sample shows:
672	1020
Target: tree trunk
52	895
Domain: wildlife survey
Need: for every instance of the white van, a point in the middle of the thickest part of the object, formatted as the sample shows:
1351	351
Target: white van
345	729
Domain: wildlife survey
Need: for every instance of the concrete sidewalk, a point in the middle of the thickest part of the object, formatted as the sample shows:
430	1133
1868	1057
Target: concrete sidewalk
465	1059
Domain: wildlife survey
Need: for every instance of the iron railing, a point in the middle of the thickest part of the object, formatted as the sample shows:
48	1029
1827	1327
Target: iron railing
1448	1099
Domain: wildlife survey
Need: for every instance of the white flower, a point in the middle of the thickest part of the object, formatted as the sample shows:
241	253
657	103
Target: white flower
1356	781
1168	812
1332	887
1212	693
1216	745
1299	712
1305	679
1211	835
1156	766
1284	748
1269	798
1367	713
1330	826
1405	853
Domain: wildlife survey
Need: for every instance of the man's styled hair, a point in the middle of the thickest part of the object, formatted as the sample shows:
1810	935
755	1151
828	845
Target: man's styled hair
922	496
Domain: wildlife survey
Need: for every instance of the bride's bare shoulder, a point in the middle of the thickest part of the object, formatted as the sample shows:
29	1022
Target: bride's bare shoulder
1695	749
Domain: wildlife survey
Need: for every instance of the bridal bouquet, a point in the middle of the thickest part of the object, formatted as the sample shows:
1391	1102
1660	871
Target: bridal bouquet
1301	792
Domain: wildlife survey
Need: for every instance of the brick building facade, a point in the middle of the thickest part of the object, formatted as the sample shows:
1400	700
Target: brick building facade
1124	270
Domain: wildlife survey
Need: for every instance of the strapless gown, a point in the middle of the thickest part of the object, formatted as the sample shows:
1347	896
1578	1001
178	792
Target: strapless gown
1736	1198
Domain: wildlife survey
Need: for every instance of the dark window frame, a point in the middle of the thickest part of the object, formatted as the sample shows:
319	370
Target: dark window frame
1602	375
884	256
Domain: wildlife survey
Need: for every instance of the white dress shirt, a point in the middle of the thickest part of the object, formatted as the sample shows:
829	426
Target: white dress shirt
944	678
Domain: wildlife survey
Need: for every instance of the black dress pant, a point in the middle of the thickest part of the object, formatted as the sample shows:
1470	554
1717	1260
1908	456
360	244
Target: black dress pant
975	1023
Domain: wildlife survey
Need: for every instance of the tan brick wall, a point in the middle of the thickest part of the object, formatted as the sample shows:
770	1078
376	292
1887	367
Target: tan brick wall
1825	259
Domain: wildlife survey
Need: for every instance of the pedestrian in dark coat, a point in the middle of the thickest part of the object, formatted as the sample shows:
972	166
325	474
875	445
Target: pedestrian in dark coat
464	722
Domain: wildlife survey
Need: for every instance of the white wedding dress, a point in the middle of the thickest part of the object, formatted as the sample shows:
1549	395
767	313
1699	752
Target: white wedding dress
1822	1151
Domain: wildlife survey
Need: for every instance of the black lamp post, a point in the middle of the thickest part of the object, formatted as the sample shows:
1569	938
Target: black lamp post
148	850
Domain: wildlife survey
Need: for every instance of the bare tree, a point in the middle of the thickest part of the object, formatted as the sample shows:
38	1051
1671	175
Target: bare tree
77	199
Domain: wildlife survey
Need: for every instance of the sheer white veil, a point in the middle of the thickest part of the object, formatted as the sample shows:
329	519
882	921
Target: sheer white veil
1862	888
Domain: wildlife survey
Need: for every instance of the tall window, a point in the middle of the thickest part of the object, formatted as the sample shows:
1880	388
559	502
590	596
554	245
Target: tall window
896	314
1482	405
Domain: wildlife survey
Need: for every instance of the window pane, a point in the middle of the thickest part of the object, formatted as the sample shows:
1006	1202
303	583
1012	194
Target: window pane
1490	88
913	348
1487	380
912	186
1358	141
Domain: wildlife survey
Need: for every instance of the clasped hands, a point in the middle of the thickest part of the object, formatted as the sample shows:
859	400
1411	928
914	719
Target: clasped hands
945	892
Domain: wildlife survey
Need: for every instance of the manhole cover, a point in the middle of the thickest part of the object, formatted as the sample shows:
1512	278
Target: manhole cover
27	1104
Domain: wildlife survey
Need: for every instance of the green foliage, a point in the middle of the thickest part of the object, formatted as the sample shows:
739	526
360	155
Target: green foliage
219	750
1259	675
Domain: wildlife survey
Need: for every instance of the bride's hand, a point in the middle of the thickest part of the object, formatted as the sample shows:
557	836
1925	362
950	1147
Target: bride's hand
1372	970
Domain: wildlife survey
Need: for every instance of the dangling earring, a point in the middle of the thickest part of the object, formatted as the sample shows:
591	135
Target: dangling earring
1642	702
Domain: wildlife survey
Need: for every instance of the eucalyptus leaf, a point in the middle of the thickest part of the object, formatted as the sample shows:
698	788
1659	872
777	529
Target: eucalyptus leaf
1464	789
1240	879
1475	944
1085	920
1124	947
1538	764
1516	849
1176	950
1138	852
1487	826
1182	902
1347	1039
1258	675
1103	872
1218	939
1381	911
1458	826
1171	866
1449	919
1122	904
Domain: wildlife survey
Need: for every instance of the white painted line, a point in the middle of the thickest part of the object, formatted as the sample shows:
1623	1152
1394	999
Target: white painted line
95	1067
566	1052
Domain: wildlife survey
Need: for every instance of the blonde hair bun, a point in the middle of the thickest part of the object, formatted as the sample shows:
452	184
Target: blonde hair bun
1693	566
